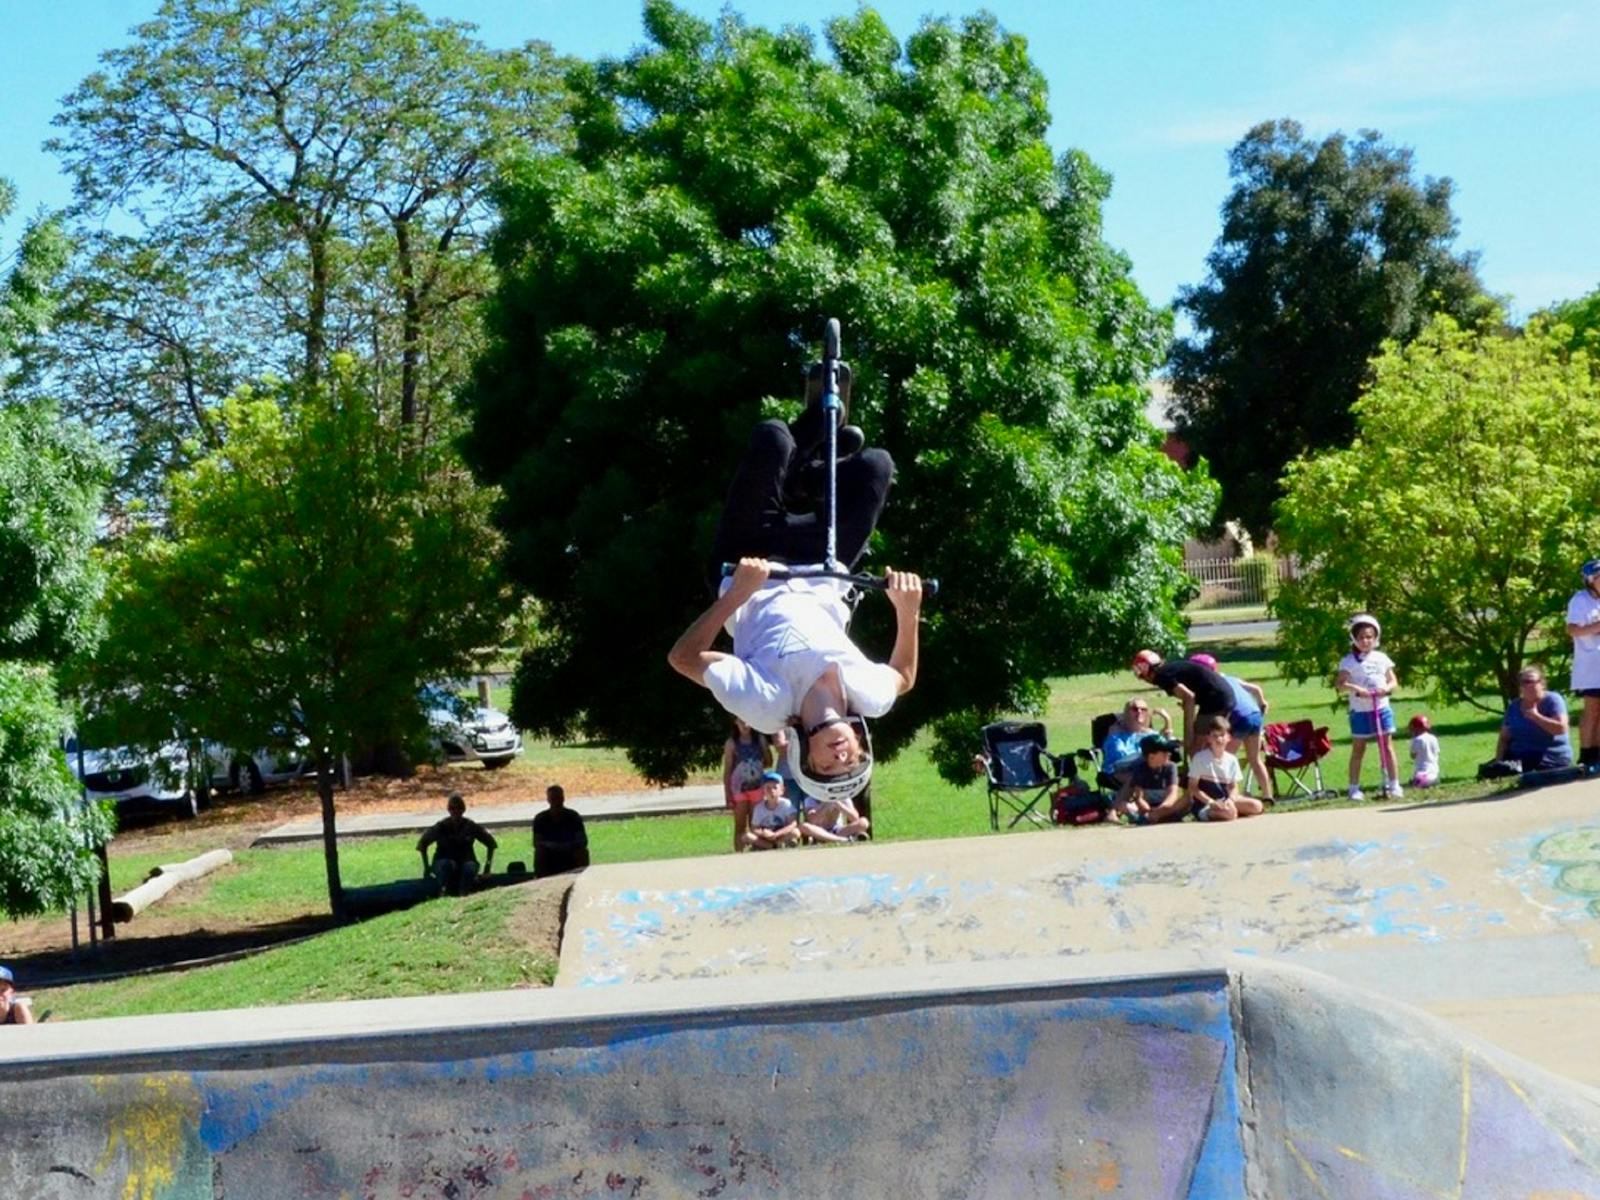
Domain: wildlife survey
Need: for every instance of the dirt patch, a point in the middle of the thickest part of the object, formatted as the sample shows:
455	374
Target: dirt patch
538	919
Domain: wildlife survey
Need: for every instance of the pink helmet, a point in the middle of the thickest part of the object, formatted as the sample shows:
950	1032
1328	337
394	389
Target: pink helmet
1205	660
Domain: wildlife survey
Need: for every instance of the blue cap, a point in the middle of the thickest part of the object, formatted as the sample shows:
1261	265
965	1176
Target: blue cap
771	777
6	976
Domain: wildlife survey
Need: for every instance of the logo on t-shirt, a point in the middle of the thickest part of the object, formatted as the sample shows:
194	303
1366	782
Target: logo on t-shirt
792	642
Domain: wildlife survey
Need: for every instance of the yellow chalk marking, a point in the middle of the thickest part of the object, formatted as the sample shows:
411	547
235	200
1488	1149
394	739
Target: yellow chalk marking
148	1128
1305	1166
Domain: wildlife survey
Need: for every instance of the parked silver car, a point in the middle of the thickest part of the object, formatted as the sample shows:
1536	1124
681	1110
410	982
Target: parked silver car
467	732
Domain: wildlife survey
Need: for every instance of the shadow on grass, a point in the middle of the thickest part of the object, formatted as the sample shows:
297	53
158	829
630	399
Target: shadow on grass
129	953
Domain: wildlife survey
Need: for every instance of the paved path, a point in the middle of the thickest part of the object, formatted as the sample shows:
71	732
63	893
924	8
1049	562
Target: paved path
654	803
1483	912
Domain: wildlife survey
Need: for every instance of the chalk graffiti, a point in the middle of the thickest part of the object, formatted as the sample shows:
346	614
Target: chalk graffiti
149	1131
1576	852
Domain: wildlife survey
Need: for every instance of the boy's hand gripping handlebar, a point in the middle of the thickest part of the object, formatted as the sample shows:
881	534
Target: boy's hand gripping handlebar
930	587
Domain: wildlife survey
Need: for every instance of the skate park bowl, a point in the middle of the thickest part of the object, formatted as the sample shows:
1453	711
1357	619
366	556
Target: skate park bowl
1143	1075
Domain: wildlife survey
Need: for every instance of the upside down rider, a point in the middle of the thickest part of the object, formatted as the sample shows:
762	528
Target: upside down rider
793	663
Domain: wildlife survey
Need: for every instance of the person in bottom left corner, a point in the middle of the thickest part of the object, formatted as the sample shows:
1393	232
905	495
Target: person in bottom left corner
14	1009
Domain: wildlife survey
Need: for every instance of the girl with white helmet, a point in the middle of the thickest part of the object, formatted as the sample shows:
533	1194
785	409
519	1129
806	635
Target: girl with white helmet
1367	673
1583	626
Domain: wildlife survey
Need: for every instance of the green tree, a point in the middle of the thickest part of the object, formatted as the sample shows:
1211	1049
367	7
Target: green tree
51	478
303	179
663	286
1459	515
311	572
1327	250
1582	319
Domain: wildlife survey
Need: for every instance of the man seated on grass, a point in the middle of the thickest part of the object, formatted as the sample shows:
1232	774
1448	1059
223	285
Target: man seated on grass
772	822
559	840
455	864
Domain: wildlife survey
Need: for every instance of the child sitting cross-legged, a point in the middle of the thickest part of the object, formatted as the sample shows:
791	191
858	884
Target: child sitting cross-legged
1151	794
1214	778
772	822
832	821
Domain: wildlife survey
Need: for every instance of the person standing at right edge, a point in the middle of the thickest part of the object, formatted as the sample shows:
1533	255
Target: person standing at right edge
1583	625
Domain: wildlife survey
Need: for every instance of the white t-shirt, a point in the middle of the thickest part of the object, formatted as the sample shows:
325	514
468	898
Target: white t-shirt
1371	670
1425	754
1220	769
763	816
784	637
1584	609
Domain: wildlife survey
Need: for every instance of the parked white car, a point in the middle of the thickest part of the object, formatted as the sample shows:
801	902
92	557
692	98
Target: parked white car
254	771
467	732
136	781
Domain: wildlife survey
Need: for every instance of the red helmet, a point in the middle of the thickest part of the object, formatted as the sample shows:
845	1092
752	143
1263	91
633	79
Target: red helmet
1146	659
1421	724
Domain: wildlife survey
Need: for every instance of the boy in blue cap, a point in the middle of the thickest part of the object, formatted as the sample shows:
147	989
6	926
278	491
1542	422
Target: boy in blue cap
14	1009
772	822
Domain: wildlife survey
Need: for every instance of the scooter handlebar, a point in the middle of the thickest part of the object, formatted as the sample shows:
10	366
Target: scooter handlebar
930	587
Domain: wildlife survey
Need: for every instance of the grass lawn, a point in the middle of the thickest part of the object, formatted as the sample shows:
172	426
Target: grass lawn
451	945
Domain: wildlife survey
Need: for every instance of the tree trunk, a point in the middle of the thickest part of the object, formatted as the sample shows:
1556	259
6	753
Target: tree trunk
330	834
317	304
411	324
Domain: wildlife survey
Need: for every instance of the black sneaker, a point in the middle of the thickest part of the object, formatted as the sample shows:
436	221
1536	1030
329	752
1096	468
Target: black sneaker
807	484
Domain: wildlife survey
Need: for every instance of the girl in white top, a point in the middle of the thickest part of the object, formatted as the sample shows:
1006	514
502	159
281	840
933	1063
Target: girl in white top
1583	626
1367	673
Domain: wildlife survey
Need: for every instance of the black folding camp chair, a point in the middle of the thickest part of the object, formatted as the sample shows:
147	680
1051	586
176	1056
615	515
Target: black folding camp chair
1021	771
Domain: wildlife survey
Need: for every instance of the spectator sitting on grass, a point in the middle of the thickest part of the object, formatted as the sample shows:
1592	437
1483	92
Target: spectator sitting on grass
832	821
455	864
1151	794
14	1009
1533	735
1214	777
559	840
772	822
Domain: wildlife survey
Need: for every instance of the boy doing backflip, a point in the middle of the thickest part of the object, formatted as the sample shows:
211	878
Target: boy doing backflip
793	662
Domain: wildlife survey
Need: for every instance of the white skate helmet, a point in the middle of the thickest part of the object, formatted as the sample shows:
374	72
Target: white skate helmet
845	786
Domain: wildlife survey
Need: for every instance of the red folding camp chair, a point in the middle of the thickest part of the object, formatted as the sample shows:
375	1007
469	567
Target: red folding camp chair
1296	749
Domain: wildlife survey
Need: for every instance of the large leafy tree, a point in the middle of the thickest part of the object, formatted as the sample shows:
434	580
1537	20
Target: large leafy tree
663	286
290	180
311	572
1459	514
1328	248
51	478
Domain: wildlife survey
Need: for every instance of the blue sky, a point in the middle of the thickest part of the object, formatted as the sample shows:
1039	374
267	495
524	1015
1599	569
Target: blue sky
1504	99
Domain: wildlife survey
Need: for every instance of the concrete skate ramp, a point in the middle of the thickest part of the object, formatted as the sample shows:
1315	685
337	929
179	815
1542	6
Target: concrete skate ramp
1153	1077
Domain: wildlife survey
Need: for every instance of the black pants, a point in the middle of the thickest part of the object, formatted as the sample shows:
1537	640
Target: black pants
755	523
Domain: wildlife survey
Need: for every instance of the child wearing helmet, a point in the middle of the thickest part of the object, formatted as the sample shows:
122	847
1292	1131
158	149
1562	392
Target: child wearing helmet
1424	753
793	662
1367	673
1583	627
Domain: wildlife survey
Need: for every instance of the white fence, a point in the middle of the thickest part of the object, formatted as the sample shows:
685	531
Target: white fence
1227	582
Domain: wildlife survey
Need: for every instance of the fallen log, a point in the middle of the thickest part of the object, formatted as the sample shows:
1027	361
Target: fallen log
163	879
